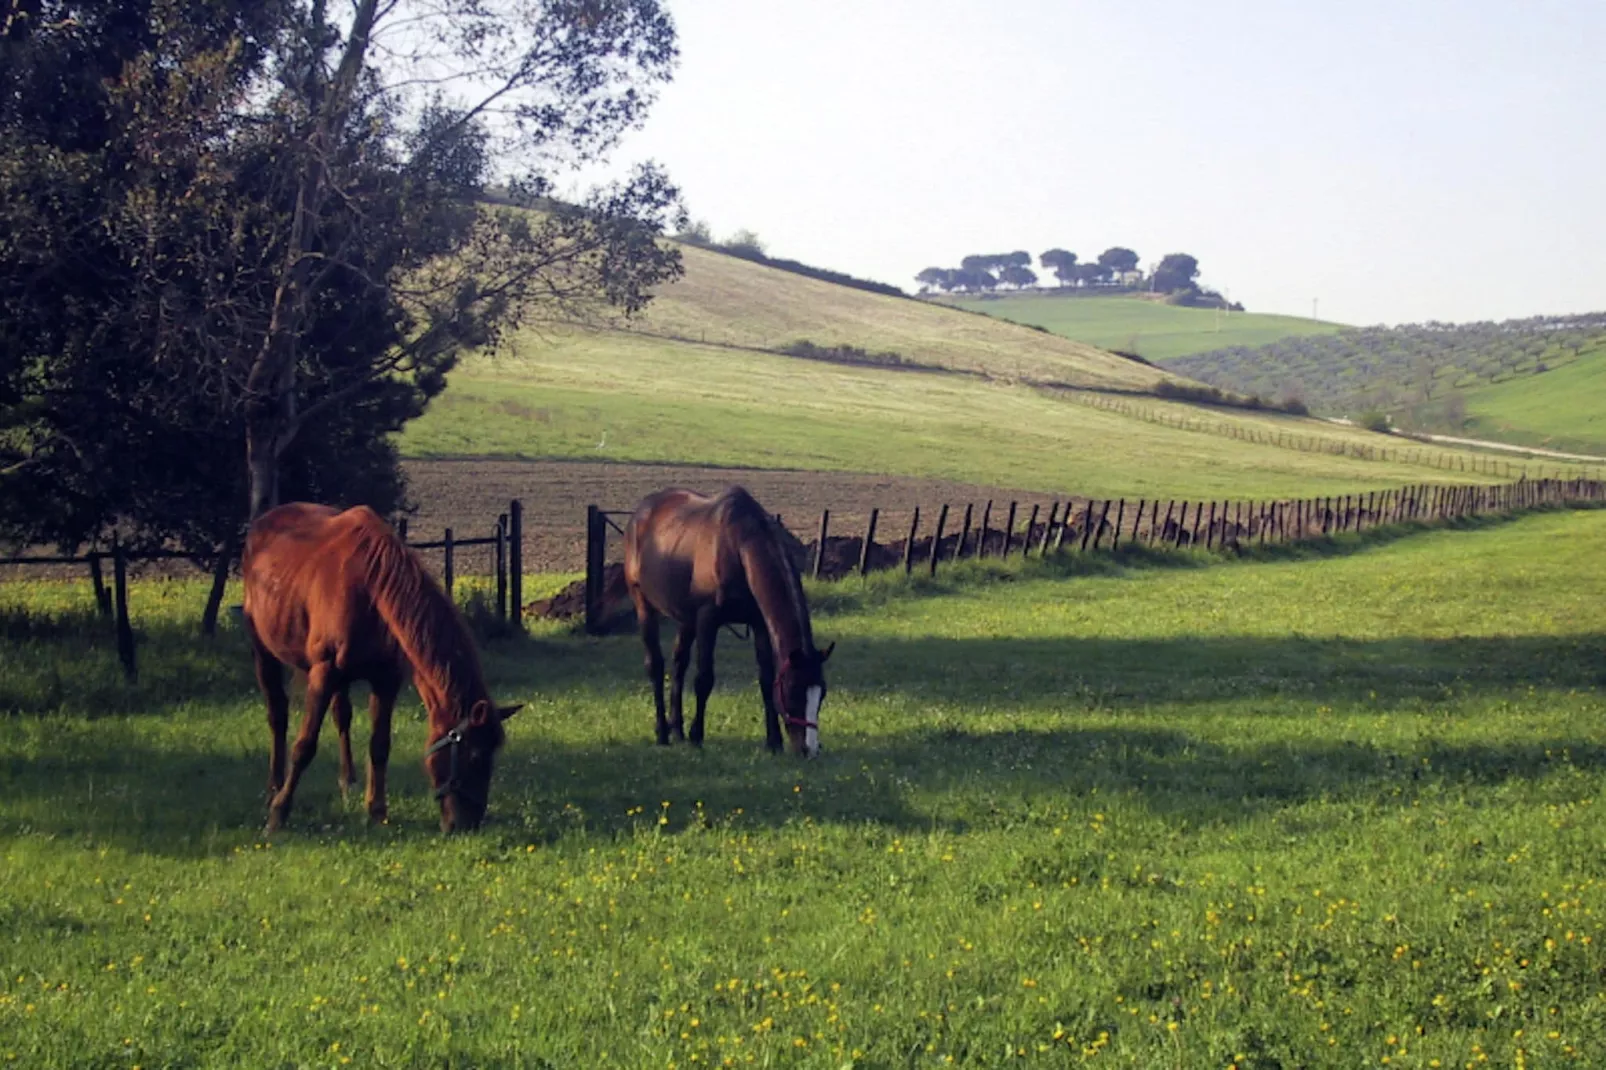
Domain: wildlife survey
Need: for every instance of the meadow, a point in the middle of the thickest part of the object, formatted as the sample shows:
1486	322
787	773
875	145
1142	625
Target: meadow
631	399
1329	806
1561	409
1153	330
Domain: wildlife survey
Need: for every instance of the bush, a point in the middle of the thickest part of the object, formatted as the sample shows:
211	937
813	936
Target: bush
1376	420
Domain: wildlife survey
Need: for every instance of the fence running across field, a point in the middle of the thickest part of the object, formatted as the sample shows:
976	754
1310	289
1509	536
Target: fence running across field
1094	525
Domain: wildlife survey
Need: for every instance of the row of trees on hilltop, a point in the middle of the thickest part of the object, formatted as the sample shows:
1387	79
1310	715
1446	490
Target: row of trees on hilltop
1115	268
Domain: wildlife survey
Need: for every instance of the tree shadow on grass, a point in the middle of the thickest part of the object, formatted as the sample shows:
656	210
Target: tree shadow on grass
196	803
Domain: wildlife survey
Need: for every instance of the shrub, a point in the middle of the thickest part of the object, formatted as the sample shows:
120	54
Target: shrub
1376	420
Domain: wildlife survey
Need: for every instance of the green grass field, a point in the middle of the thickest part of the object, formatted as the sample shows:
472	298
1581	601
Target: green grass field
1324	808
1151	329
1562	409
642	400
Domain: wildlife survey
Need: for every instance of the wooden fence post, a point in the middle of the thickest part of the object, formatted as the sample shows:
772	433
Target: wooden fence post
501	566
819	547
1120	518
1099	528
1031	526
596	549
986	519
909	543
936	540
125	631
1009	529
103	597
1198	512
964	532
1048	528
869	541
401	529
1065	525
449	569
1210	527
515	562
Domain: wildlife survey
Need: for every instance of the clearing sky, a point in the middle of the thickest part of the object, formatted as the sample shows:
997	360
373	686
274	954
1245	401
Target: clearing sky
1396	162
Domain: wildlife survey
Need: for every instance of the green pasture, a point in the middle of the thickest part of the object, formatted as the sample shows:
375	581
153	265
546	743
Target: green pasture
1562	409
1151	329
1328	807
621	398
729	301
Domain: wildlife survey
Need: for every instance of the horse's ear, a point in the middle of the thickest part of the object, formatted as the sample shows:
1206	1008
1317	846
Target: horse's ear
825	655
508	711
480	713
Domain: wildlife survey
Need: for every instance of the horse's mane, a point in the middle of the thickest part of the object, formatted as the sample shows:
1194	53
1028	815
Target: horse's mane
765	555
446	667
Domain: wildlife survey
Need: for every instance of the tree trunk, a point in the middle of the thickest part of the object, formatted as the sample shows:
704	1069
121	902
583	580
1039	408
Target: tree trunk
214	599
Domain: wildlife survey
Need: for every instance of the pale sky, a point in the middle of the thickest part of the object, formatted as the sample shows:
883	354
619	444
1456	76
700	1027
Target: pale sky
1399	161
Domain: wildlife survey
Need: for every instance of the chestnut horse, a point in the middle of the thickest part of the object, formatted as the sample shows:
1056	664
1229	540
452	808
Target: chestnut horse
341	598
706	562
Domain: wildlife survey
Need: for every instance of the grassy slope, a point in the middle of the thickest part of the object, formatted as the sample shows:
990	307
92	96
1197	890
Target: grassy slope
660	399
668	402
729	300
1295	812
1151	329
1563	409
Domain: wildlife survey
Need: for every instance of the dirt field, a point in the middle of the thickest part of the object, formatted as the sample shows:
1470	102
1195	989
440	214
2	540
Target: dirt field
467	495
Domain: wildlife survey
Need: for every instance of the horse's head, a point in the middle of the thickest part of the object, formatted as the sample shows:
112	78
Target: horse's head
459	760
799	694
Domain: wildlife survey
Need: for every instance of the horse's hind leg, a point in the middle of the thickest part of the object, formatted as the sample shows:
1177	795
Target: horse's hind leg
321	687
677	685
765	654
647	618
707	632
348	771
270	677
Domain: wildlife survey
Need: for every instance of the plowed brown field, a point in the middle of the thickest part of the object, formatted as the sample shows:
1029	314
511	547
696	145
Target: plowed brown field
468	494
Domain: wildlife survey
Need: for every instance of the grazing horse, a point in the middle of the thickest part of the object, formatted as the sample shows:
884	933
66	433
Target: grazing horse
707	562
341	598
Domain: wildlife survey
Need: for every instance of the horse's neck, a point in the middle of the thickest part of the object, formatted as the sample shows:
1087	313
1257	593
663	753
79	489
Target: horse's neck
769	577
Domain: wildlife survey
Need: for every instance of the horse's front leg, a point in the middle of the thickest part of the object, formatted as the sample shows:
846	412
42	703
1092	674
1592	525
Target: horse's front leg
765	653
707	632
270	677
321	687
684	639
381	704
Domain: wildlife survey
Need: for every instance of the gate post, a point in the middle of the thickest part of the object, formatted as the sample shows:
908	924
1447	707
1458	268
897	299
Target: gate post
596	543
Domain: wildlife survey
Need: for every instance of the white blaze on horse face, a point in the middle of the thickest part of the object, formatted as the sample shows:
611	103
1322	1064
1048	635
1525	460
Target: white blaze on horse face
811	743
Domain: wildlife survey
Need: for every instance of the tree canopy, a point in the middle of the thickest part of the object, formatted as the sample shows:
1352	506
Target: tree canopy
242	242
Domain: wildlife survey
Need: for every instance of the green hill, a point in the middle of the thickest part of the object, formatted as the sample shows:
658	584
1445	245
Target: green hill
1561	409
700	380
1135	323
1525	381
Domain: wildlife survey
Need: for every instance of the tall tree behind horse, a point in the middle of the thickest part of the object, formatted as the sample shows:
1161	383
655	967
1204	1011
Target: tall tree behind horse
341	598
707	562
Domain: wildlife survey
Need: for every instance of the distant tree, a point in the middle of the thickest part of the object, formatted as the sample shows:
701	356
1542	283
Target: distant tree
1176	272
696	232
1062	262
1017	276
978	262
1092	274
1117	259
935	278
744	243
1019	258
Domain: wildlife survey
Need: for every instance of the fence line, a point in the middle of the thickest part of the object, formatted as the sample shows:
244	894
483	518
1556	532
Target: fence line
1102	525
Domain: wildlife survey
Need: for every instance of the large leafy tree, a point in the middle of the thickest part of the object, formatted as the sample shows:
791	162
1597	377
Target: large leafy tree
240	241
1062	262
1177	271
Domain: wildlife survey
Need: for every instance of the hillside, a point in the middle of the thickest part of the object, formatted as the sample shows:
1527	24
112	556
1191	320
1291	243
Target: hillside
730	301
1135	324
1433	376
1563	409
638	397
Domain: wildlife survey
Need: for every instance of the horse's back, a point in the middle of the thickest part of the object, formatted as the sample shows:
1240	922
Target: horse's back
680	547
300	569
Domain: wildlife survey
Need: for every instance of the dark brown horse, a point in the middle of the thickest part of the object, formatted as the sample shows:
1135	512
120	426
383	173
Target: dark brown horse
707	562
341	598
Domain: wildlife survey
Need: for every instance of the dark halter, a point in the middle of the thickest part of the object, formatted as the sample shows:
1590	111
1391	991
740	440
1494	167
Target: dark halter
451	739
